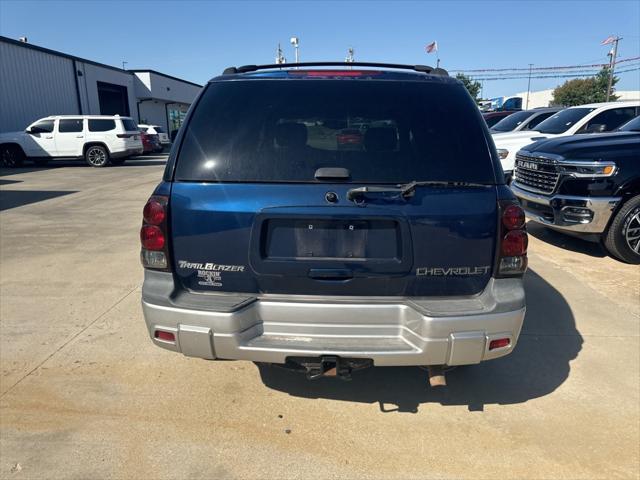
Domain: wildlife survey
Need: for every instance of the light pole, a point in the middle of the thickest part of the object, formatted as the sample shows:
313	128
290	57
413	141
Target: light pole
529	86
123	64
295	41
612	65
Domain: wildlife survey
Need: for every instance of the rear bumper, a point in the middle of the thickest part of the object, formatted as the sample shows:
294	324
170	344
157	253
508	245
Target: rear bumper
401	331
568	213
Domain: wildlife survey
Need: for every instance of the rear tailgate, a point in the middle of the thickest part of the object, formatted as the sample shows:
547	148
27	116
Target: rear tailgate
270	239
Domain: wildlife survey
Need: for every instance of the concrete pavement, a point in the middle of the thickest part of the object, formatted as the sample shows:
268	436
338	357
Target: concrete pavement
84	393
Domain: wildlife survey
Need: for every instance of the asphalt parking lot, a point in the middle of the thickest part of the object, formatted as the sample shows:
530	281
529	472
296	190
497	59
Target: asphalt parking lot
84	393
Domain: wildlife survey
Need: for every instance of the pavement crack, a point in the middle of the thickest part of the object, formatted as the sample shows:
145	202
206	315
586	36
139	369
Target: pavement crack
84	329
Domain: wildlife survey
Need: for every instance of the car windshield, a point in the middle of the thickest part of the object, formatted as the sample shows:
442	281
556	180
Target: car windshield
631	125
563	120
380	131
512	122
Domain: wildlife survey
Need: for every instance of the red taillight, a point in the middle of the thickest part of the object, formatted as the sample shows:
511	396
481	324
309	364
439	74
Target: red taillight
512	258
166	336
153	213
514	243
513	217
499	343
153	234
151	237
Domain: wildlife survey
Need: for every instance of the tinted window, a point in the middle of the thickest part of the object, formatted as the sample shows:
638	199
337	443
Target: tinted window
563	120
632	126
143	129
538	119
44	126
609	119
512	122
159	129
96	125
381	131
492	121
129	125
70	125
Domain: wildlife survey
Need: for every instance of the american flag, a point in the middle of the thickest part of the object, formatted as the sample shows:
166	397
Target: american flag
608	40
432	47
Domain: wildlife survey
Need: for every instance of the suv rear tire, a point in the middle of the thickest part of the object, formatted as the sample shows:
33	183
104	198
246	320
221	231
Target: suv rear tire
622	240
97	156
11	156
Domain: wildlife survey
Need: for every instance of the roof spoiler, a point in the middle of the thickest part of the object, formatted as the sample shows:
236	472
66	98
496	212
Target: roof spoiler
416	68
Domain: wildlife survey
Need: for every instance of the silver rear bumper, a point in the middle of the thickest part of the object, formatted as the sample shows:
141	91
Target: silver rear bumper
390	332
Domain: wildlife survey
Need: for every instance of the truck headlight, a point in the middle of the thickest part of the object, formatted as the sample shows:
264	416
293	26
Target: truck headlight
588	169
503	153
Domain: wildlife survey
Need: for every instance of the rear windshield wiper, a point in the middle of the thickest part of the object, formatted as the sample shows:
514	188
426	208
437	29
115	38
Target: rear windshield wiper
407	189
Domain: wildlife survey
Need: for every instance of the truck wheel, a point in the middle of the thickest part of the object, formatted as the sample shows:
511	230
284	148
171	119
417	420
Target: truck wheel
622	240
11	156
97	156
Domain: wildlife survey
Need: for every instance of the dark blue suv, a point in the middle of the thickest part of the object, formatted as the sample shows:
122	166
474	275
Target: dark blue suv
329	217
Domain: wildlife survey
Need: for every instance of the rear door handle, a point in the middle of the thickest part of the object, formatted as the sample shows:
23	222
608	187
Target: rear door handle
330	274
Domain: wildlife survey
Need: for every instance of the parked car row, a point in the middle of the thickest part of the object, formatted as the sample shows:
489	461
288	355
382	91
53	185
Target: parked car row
577	170
98	139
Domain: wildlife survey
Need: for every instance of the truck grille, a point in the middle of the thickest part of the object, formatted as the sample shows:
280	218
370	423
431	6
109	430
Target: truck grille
536	174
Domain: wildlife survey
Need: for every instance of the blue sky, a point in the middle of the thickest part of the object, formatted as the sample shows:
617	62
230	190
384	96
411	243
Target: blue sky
196	40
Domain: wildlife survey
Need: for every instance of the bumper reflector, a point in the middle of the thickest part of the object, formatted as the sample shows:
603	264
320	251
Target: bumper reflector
499	343
166	336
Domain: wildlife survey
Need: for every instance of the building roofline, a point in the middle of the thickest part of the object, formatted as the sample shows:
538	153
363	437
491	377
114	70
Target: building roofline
84	60
146	70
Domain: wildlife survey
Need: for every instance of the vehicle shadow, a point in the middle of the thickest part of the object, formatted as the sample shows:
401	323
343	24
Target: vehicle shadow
564	241
17	198
539	364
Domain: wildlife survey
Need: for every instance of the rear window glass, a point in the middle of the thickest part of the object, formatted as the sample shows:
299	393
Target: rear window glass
381	131
70	125
98	125
159	129
129	125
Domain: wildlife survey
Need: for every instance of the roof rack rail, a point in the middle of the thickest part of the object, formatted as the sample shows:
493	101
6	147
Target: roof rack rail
416	68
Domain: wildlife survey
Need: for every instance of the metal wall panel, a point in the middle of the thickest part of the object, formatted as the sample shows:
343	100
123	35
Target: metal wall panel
33	85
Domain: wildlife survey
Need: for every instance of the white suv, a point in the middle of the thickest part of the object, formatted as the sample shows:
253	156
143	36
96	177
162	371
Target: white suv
591	118
99	139
155	130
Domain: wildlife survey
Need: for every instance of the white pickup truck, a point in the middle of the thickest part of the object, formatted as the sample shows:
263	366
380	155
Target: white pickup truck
99	139
592	118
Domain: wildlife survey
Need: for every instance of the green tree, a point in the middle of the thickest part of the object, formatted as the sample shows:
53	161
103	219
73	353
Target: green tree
585	90
471	85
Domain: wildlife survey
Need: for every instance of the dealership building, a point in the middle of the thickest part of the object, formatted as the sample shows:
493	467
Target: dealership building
36	82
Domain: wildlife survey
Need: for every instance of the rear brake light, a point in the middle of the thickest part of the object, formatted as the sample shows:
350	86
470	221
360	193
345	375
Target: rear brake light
153	234
512	258
513	217
152	237
515	243
153	213
333	73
